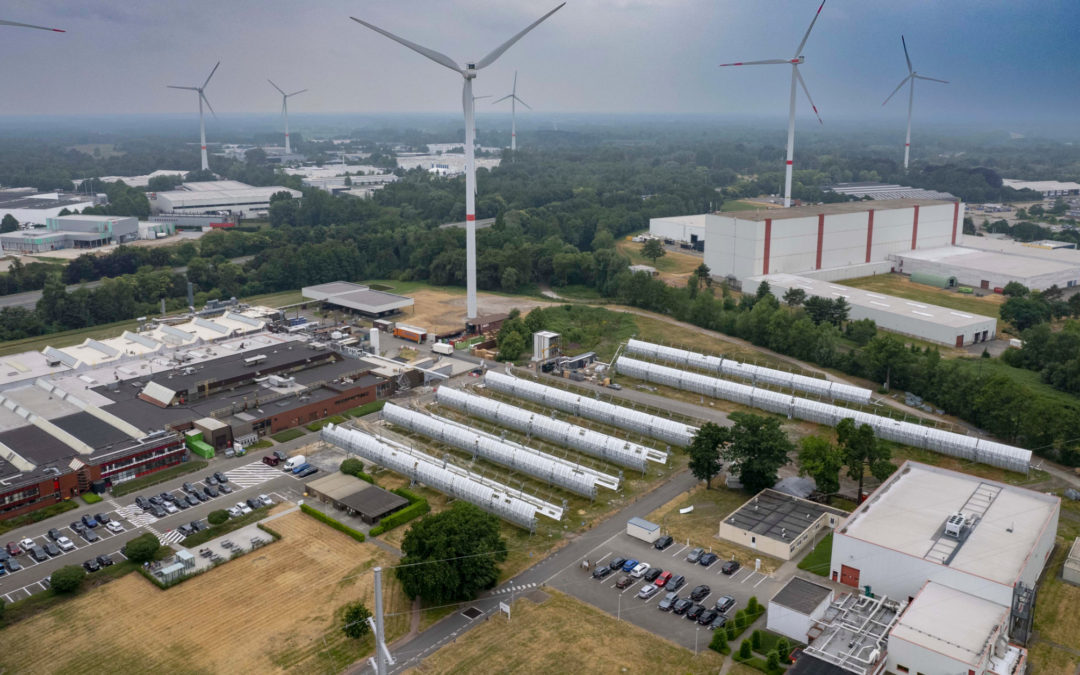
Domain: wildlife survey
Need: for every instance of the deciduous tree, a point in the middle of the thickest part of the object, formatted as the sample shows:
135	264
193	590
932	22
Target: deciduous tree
758	448
822	461
354	618
705	450
863	452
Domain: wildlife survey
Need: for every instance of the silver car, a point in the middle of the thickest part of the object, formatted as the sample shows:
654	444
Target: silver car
647	591
695	555
668	601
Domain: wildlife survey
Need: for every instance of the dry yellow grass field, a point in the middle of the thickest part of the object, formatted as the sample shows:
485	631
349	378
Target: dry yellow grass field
564	635
272	610
440	310
901	286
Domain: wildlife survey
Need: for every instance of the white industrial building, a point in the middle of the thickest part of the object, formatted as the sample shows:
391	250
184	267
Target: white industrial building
794	610
690	229
358	298
76	231
987	539
899	315
30	207
878	191
142	181
829	236
222	195
1048	188
981	268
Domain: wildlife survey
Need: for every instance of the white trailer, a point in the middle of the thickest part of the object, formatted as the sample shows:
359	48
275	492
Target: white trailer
643	529
444	348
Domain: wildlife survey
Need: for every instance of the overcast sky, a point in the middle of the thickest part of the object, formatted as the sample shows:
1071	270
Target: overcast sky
1009	62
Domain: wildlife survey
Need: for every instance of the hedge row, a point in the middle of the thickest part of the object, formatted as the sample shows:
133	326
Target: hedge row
91	497
136	484
37	516
354	467
339	526
417	507
288	435
366	409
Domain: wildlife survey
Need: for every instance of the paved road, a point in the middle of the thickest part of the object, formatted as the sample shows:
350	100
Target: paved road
409	654
30	298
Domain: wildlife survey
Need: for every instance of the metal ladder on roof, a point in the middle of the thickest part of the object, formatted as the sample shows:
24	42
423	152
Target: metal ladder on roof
976	506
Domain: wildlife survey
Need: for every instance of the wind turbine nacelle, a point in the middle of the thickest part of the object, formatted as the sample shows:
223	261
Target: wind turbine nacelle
799	61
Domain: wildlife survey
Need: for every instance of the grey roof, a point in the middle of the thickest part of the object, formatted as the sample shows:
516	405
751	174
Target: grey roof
808	664
367	300
90	430
36	445
778	516
373	502
830	209
801	595
644	524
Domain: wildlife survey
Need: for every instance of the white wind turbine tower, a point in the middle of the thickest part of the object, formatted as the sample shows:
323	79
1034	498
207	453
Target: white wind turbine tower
514	100
795	61
910	80
468	72
30	25
285	111
202	125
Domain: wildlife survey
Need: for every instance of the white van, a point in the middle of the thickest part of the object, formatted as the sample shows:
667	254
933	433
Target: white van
294	462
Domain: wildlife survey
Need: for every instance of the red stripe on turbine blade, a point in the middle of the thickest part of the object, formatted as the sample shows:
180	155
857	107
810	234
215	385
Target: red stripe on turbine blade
907	145
820	8
204	147
789	162
470	216
57	30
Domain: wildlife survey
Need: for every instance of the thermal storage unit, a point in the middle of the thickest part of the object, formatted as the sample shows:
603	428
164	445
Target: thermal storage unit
573	477
507	503
945	442
583	406
594	443
771	376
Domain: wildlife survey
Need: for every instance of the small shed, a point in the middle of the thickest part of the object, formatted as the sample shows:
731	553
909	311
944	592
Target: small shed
186	559
1071	571
793	610
640	528
356	497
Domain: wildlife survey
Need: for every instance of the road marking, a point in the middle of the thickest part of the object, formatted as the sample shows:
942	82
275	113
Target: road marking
702	601
602	559
747	577
680	550
7	596
763	578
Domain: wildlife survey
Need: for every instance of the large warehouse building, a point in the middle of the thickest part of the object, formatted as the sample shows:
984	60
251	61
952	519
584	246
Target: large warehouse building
808	238
30	207
358	298
689	229
988	269
75	231
928	322
212	196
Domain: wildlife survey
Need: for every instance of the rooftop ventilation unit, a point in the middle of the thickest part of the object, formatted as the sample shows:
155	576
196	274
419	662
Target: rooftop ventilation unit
954	526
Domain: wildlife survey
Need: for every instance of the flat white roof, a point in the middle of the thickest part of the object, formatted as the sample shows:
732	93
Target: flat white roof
908	511
1040	185
1010	264
950	622
857	297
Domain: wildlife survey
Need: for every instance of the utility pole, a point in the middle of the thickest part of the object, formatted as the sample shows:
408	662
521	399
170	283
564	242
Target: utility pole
382	654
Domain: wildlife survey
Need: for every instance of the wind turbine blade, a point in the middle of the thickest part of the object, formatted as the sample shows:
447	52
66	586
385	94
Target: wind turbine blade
902	83
207	101
522	102
211	75
173	86
437	57
477	98
502	99
908	58
297	92
755	63
923	77
514	90
798	50
29	25
498	51
798	76
275	86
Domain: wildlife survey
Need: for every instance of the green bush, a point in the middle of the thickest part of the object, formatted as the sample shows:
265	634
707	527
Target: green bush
366	409
217	517
408	494
731	633
417	508
752	605
755	639
91	497
340	527
354	467
319	424
783	647
67	579
772	662
142	548
134	485
740	621
260	444
718	643
231	524
37	516
288	435
745	650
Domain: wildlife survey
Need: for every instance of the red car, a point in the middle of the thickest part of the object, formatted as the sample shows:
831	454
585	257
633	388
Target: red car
14	549
270	460
662	580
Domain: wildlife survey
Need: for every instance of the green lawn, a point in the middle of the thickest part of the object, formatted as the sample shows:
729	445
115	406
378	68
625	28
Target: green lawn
366	409
672	262
817	561
276	299
288	435
1020	376
215	531
901	286
137	484
740	205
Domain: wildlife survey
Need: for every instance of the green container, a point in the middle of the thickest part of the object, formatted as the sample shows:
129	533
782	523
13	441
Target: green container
933	280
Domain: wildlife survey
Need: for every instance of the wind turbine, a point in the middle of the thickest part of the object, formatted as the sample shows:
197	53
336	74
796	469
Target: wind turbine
514	100
468	72
795	61
285	111
30	25
202	125
912	76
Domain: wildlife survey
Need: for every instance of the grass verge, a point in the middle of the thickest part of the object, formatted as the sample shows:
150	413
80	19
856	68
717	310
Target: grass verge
136	484
817	561
91	497
336	524
37	516
215	531
261	445
366	409
288	435
902	287
319	424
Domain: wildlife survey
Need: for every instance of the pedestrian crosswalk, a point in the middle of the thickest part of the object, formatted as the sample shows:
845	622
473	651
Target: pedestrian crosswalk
251	474
170	537
134	515
515	589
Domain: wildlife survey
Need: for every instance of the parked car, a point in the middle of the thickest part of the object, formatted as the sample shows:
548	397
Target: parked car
27	543
211	491
280	455
700	592
52	549
38	554
77	527
629	565
199	525
116	528
601	571
224	489
65	544
300	468
188	487
270	460
265	500
681	605
192	500
171	508
695	612
614	385
724	603
91	565
695	555
210	480
623	582
144	503
663	542
254	503
662	579
668	601
182	503
4	555
719	622
165	498
677	582
310	471
104	560
90	536
3	568
13	549
708	559
730	567
13	565
159	511
186	530
708	616
156	500
233	512
103	519
640	570
647	591
54	534
653	574
220	477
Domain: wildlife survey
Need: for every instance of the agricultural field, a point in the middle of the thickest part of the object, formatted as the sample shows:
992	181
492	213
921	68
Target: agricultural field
901	286
266	611
555	633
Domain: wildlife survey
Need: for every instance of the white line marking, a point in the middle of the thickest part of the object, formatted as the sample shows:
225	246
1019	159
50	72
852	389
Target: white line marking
680	551
602	559
763	578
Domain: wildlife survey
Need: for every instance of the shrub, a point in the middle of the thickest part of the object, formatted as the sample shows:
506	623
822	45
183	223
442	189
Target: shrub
160	476
783	647
740	621
752	605
91	497
339	526
773	661
719	642
2	605
37	516
142	548
731	634
67	579
217	517
414	510
354	467
745	650
354	618
755	639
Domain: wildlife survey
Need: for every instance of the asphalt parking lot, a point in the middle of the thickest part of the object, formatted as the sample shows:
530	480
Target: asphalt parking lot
625	604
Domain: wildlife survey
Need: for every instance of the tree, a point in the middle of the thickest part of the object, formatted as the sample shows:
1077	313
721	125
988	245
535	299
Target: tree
451	556
352	466
772	661
354	618
752	604
67	579
839	312
822	461
886	357
861	332
653	249
703	273
1015	289
794	296
704	451
511	346
758	448
863	451
218	517
745	650
718	643
783	648
9	223
755	639
142	548
763	290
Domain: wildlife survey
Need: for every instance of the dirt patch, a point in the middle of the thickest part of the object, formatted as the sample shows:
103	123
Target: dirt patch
270	610
441	311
